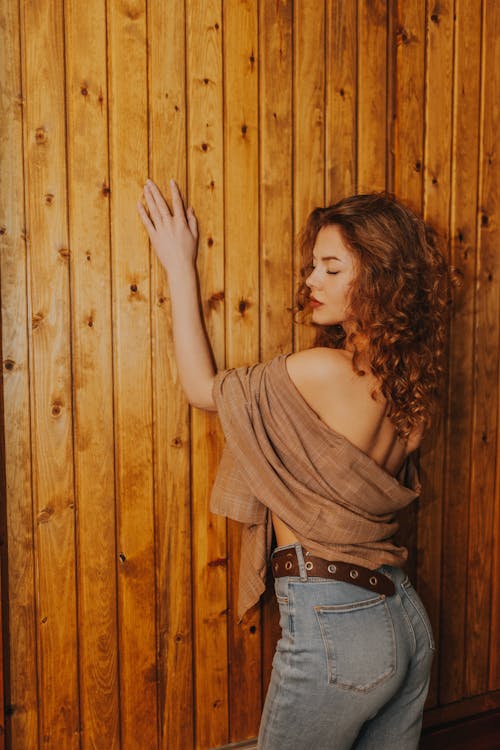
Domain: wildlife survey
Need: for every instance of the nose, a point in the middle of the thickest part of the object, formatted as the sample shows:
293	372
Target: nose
312	280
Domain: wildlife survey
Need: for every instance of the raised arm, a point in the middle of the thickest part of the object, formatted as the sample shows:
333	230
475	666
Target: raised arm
174	236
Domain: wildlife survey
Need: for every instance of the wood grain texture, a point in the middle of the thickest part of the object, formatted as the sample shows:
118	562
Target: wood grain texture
88	197
276	225
341	99
485	374
128	138
463	231
51	377
241	159
206	190
19	611
120	586
167	148
308	127
436	206
371	95
405	122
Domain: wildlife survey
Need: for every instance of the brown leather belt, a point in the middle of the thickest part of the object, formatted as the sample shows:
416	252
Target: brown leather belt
285	563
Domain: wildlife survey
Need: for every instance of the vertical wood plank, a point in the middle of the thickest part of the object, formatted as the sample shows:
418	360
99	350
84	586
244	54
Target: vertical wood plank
205	185
485	409
128	89
465	148
341	96
51	391
241	176
88	195
372	95
276	224
167	96
437	187
408	131
308	125
21	667
406	180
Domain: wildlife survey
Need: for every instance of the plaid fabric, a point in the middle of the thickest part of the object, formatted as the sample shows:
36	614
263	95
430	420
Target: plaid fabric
281	457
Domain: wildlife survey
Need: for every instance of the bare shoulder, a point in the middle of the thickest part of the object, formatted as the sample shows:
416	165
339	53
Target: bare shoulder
319	365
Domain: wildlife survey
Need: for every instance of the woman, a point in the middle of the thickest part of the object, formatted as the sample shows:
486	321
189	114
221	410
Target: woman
318	450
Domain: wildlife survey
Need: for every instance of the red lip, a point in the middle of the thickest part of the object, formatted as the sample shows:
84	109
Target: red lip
314	302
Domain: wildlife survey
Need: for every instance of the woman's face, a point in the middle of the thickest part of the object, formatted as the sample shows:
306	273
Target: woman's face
333	272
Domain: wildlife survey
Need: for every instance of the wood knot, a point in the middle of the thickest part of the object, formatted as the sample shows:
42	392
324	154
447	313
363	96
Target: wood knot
243	306
40	135
36	320
133	288
484	220
9	364
210	241
214	299
244	129
204	146
3	230
45	514
56	409
49	199
84	90
105	189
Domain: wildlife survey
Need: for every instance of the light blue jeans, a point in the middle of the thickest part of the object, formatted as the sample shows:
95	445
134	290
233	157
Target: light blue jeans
351	669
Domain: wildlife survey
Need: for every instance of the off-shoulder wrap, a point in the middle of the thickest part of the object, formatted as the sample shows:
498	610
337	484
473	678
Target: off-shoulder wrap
280	456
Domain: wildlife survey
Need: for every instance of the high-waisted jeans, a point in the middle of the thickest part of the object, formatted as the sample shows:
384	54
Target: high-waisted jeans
351	669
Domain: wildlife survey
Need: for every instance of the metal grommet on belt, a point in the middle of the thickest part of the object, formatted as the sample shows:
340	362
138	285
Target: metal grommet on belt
340	570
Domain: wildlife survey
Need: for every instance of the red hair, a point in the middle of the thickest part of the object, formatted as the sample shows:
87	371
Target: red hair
399	300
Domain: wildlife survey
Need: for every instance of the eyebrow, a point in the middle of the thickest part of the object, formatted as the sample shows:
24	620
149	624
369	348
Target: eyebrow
330	257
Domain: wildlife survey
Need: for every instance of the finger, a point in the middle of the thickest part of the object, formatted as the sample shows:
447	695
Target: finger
192	221
157	201
150	227
177	202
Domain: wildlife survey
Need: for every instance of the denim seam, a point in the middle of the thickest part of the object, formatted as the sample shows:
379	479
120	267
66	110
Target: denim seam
430	637
410	627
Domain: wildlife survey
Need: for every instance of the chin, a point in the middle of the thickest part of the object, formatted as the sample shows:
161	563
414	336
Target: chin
322	318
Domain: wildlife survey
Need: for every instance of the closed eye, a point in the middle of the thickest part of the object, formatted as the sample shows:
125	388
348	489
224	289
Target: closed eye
332	273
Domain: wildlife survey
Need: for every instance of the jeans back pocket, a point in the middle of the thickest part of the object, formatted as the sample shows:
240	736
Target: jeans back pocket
360	643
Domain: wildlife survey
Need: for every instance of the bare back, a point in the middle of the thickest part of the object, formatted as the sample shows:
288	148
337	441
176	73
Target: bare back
326	381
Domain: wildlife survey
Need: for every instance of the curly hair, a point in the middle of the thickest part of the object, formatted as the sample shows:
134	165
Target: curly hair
399	300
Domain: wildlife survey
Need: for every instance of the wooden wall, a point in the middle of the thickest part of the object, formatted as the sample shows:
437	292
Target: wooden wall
118	584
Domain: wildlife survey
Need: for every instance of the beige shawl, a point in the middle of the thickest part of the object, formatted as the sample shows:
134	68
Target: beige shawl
281	457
